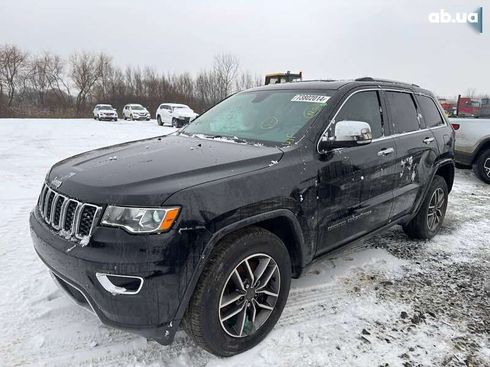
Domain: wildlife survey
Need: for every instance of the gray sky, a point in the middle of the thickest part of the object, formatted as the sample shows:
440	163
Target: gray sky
325	39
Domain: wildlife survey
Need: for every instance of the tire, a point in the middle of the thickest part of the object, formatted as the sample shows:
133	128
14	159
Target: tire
124	117
98	118
481	167
205	321
159	121
428	220
131	117
115	119
95	117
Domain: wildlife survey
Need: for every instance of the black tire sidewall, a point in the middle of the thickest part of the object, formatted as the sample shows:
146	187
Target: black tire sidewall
216	338
438	182
479	164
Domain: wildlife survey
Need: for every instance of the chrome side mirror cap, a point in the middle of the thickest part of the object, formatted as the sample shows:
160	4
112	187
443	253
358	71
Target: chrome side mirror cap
347	133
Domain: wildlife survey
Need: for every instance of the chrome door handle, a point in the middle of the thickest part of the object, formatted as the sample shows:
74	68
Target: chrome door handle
428	140
385	151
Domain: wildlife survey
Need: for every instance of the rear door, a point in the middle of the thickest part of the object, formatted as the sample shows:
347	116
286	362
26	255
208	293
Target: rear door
416	151
436	123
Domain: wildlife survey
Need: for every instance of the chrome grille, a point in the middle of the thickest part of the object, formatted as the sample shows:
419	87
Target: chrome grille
70	217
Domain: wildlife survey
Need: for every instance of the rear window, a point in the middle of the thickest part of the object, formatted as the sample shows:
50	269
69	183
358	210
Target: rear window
431	114
403	111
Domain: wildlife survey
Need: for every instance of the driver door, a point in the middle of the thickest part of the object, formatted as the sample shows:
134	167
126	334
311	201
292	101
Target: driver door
356	184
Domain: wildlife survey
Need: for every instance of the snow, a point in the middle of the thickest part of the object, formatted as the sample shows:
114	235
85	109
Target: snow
388	301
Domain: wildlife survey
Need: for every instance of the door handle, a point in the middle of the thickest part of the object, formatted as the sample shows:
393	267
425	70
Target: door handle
385	151
428	140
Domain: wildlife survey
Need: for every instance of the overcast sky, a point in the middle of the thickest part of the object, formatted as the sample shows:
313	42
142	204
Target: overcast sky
325	39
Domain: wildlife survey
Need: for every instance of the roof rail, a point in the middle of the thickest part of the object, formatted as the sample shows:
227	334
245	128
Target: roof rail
371	79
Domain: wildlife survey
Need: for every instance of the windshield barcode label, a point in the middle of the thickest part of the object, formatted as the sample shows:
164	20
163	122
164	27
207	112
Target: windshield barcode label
310	98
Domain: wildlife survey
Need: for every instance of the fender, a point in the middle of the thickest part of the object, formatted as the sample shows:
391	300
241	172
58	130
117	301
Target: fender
420	200
217	236
475	153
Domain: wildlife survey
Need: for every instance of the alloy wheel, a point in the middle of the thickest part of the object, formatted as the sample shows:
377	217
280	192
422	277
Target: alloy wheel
436	208
486	167
249	295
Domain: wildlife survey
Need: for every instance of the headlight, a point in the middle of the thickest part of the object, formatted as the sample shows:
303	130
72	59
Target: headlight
140	220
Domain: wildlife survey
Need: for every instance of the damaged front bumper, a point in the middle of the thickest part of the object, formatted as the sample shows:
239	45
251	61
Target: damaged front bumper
152	308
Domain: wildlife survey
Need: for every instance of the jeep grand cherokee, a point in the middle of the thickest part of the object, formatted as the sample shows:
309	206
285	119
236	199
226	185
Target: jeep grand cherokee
258	186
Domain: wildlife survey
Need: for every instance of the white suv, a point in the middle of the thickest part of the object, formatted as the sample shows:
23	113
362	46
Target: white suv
104	112
135	112
175	114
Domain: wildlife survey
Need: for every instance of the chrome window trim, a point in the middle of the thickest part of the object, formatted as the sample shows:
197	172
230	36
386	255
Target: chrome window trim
401	90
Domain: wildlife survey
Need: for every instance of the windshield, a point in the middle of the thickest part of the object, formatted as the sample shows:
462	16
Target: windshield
137	108
105	107
182	108
275	116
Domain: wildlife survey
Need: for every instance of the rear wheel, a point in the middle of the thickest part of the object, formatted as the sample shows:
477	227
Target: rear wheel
430	216
132	117
241	293
481	167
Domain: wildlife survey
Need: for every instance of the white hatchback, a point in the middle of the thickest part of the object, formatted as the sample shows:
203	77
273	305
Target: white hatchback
175	114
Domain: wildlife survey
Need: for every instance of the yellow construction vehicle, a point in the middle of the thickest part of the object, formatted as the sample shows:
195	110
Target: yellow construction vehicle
276	78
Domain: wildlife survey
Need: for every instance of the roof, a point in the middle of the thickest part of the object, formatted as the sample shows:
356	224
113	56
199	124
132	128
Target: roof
337	84
175	104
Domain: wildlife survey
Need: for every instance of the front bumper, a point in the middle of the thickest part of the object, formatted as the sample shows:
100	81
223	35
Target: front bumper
162	261
141	118
107	118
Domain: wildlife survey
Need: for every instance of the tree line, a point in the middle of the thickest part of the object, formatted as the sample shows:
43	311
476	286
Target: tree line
47	85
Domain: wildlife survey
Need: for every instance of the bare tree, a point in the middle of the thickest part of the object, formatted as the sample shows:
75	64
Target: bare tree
226	70
86	71
13	63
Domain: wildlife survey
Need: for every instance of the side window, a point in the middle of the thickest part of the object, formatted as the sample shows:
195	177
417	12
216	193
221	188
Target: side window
403	111
432	117
363	106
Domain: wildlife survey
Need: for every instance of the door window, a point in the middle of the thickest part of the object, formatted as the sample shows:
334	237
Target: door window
403	111
363	106
432	117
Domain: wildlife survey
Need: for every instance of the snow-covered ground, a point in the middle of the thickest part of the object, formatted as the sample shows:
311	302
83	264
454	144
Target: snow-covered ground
385	302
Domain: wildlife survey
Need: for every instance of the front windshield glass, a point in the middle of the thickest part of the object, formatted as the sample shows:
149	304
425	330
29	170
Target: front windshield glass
106	107
137	107
276	116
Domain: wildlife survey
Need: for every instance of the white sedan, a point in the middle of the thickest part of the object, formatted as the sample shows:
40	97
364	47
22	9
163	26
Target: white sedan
174	114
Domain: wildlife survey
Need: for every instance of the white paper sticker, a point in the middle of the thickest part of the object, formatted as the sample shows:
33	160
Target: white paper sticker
310	98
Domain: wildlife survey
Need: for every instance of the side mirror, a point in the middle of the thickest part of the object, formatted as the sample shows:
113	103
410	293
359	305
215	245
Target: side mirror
347	134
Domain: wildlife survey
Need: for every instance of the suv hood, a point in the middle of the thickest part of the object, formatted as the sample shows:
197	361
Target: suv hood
147	172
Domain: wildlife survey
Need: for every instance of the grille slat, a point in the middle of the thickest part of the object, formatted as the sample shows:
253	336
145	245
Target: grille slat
67	215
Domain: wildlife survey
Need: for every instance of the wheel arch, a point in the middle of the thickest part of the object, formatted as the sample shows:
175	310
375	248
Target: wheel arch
272	221
446	171
484	145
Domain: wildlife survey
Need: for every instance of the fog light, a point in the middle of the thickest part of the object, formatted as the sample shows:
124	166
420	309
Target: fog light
120	284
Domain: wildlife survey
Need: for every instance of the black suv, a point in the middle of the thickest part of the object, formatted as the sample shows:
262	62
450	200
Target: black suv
208	225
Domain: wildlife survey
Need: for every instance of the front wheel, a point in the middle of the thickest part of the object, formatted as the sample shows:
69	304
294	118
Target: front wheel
241	293
481	167
430	216
159	121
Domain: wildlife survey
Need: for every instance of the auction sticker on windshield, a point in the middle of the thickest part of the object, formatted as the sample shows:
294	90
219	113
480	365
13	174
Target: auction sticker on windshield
310	98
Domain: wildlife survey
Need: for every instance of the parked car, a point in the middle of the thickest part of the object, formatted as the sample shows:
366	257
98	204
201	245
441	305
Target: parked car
472	149
174	114
254	190
105	112
135	112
